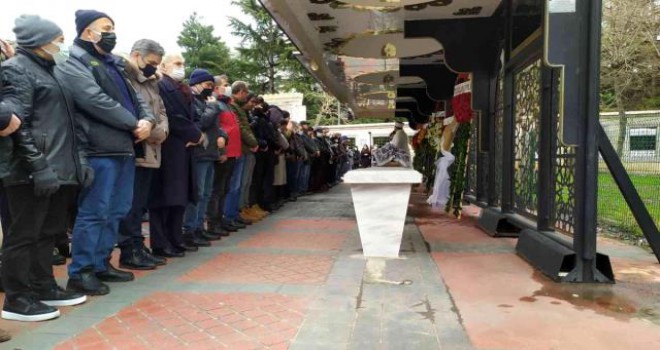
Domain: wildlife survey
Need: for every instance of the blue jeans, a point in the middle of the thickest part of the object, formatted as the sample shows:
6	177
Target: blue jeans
101	208
234	195
193	219
303	177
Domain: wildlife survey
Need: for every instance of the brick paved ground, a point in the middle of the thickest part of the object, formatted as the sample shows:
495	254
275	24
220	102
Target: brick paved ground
297	280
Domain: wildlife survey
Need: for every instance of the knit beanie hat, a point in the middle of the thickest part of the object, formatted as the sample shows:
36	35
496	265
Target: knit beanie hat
33	31
199	76
85	17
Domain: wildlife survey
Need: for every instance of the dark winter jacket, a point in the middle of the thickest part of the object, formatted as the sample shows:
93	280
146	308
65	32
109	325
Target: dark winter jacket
174	184
207	121
264	132
105	125
47	137
7	108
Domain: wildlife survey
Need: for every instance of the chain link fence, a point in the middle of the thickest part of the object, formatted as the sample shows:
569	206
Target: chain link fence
636	139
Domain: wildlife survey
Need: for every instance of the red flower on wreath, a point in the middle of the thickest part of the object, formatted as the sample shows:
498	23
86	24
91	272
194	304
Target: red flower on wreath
462	101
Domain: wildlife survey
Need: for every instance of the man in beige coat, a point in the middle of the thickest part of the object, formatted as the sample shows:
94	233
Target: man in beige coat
141	66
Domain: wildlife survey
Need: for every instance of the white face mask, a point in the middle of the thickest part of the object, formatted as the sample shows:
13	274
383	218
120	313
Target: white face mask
227	91
62	55
178	74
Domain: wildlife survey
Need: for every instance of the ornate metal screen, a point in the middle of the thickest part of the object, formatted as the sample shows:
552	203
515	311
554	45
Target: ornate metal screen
471	188
527	92
499	130
564	171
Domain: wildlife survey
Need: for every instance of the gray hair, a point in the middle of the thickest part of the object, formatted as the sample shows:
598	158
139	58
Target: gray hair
221	78
239	86
148	46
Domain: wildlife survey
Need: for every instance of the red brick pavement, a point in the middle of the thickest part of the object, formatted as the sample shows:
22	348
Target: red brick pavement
198	321
339	225
60	273
262	268
295	240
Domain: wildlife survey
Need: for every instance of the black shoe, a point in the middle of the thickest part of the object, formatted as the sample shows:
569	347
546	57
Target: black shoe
237	224
56	296
157	260
168	253
186	248
133	259
88	283
114	275
229	228
195	241
243	222
210	236
57	258
219	231
28	309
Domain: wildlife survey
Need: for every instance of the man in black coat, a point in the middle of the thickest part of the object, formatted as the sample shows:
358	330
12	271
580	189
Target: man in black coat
174	185
111	120
44	170
207	108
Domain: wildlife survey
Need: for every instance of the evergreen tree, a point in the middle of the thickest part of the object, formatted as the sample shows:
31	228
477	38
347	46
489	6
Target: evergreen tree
204	50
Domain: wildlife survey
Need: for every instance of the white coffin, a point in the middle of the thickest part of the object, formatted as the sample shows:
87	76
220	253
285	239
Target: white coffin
381	196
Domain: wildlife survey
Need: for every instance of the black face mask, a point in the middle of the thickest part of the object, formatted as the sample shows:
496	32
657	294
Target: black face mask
206	93
148	70
107	42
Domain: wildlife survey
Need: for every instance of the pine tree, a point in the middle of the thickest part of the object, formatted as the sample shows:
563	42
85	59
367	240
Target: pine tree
204	50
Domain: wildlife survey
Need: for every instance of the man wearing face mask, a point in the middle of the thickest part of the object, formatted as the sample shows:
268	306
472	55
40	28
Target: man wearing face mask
174	184
224	167
202	84
141	68
112	121
45	170
321	167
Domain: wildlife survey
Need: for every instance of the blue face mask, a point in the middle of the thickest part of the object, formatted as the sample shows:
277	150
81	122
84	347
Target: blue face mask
62	55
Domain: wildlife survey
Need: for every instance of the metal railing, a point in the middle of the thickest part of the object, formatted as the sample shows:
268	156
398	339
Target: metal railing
636	139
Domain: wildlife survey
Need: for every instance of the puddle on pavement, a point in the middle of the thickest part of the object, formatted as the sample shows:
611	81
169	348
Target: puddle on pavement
602	299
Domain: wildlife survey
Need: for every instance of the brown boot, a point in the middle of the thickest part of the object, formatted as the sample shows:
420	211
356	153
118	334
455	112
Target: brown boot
4	336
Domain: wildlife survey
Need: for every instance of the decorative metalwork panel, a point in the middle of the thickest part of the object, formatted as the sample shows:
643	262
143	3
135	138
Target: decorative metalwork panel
499	140
472	159
564	172
565	189
527	90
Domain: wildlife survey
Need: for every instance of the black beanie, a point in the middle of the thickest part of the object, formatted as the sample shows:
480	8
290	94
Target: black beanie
85	17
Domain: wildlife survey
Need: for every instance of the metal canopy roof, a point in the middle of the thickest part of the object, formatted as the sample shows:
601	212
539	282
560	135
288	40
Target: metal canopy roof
355	48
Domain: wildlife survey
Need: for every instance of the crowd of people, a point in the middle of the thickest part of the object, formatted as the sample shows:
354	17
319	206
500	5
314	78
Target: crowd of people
91	142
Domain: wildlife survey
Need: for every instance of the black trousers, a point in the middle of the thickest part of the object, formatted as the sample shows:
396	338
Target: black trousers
331	173
269	193
257	186
27	254
320	167
166	227
215	209
130	229
4	212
